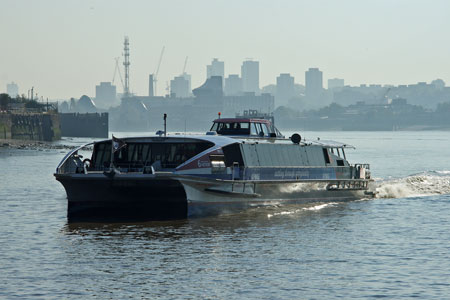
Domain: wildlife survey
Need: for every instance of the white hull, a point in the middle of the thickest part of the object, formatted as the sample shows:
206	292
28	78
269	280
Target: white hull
225	196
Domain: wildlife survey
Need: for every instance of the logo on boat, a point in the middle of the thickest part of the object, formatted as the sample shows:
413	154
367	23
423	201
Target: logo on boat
203	164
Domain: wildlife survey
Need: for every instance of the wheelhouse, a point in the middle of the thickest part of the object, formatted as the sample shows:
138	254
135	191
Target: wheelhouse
245	127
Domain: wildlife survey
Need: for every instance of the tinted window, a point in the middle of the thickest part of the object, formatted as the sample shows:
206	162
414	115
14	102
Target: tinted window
325	155
137	155
253	130
234	128
265	130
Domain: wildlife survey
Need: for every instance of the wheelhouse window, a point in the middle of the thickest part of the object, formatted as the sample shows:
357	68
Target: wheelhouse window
233	128
265	129
253	130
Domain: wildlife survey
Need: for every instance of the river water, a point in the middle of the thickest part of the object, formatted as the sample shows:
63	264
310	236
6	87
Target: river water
394	246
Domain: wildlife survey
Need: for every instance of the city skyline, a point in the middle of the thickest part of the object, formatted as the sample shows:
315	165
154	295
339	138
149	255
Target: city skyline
401	42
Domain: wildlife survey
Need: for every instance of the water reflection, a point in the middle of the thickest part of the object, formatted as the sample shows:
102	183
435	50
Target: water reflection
228	224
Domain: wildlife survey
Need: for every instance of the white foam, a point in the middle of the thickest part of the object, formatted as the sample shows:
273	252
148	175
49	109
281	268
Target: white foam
424	184
295	211
319	207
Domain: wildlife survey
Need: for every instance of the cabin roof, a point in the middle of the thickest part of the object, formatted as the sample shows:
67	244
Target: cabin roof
241	120
221	140
322	143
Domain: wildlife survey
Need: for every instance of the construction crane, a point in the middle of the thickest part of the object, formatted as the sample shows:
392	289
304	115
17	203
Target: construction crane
117	70
184	67
385	100
155	75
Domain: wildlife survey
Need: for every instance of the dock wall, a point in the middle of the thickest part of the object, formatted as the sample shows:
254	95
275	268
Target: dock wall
30	126
84	124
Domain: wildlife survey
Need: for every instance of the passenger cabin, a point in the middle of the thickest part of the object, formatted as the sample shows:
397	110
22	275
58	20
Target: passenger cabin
140	153
245	127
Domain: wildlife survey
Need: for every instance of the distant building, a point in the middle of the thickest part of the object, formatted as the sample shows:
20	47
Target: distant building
233	85
105	94
269	89
438	83
250	76
12	89
314	83
211	88
335	83
179	87
216	68
85	105
285	89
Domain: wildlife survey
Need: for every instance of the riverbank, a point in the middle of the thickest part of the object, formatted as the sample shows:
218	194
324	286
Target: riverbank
31	145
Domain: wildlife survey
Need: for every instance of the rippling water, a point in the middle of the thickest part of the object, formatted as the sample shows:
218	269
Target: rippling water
396	246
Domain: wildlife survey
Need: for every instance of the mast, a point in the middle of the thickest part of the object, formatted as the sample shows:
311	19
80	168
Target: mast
126	63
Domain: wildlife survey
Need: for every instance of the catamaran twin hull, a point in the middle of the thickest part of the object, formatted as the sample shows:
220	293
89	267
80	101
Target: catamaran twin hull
99	196
243	162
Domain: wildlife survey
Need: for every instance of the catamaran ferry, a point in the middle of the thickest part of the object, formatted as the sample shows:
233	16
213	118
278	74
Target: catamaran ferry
240	163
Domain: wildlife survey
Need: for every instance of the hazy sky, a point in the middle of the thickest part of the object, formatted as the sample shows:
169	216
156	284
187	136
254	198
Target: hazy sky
65	47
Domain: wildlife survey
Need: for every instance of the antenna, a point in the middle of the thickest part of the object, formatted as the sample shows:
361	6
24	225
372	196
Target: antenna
155	77
126	63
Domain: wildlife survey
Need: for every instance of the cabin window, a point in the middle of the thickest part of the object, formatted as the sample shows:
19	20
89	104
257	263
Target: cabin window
102	155
253	130
234	128
146	152
132	152
340	162
259	128
214	127
265	130
137	155
232	154
326	156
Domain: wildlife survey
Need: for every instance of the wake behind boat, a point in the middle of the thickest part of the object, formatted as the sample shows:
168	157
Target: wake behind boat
240	163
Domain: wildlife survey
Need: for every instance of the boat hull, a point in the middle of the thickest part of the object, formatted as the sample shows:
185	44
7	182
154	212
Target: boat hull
132	197
207	197
97	197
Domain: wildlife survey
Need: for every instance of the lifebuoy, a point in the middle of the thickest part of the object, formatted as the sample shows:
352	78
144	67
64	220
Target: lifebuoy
87	162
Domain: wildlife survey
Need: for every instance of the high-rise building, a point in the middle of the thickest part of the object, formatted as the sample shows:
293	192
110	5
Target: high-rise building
285	90
12	89
250	76
233	85
105	94
151	82
314	83
216	68
335	83
179	87
189	79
